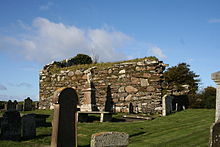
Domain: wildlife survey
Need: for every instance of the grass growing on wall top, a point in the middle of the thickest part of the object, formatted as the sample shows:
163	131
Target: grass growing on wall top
100	65
189	128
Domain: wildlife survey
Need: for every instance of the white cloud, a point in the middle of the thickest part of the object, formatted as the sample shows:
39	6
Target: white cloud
22	84
47	41
46	6
156	51
2	87
215	20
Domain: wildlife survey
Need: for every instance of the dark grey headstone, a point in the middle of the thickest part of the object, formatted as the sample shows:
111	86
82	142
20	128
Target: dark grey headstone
15	103
109	101
11	125
19	107
64	124
28	106
40	119
131	108
28	126
10	105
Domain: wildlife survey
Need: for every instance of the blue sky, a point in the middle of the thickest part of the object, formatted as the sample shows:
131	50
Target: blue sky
36	32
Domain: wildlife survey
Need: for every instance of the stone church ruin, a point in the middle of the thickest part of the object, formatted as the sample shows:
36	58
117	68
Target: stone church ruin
134	85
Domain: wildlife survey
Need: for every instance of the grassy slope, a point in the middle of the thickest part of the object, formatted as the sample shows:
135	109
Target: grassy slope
188	128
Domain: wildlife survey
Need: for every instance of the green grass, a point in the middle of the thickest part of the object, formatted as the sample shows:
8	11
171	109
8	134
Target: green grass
188	128
99	65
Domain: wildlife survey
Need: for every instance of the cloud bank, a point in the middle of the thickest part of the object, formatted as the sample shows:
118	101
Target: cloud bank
2	87
46	6
47	41
156	51
215	20
22	84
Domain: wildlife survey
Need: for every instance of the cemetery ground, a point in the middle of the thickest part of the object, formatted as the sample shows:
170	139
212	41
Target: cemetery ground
189	128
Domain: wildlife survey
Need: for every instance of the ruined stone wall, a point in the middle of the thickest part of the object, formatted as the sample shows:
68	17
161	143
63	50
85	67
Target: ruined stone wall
138	84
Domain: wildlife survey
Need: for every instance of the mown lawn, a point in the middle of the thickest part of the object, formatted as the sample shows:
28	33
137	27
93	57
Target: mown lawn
189	128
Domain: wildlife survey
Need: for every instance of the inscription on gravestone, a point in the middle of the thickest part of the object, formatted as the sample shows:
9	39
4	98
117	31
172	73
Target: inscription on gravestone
64	120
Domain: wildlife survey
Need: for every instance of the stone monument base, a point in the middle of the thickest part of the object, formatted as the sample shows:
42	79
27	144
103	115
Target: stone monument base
215	135
88	108
104	116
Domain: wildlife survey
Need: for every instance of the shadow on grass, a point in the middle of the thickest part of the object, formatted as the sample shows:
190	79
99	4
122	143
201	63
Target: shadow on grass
25	139
83	145
118	120
37	137
137	134
47	124
97	119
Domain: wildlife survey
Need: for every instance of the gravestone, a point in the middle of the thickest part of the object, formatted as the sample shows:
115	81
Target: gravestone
11	125
36	105
89	99
28	104
215	128
64	120
216	79
40	119
15	103
131	108
28	126
19	107
167	105
9	105
109	101
109	139
215	135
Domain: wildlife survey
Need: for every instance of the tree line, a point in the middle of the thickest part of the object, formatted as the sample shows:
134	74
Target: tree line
178	76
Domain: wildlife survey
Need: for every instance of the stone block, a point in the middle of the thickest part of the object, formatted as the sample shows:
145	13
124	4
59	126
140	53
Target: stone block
144	82
131	89
128	98
150	89
121	89
122	71
135	80
71	73
78	72
146	75
109	139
